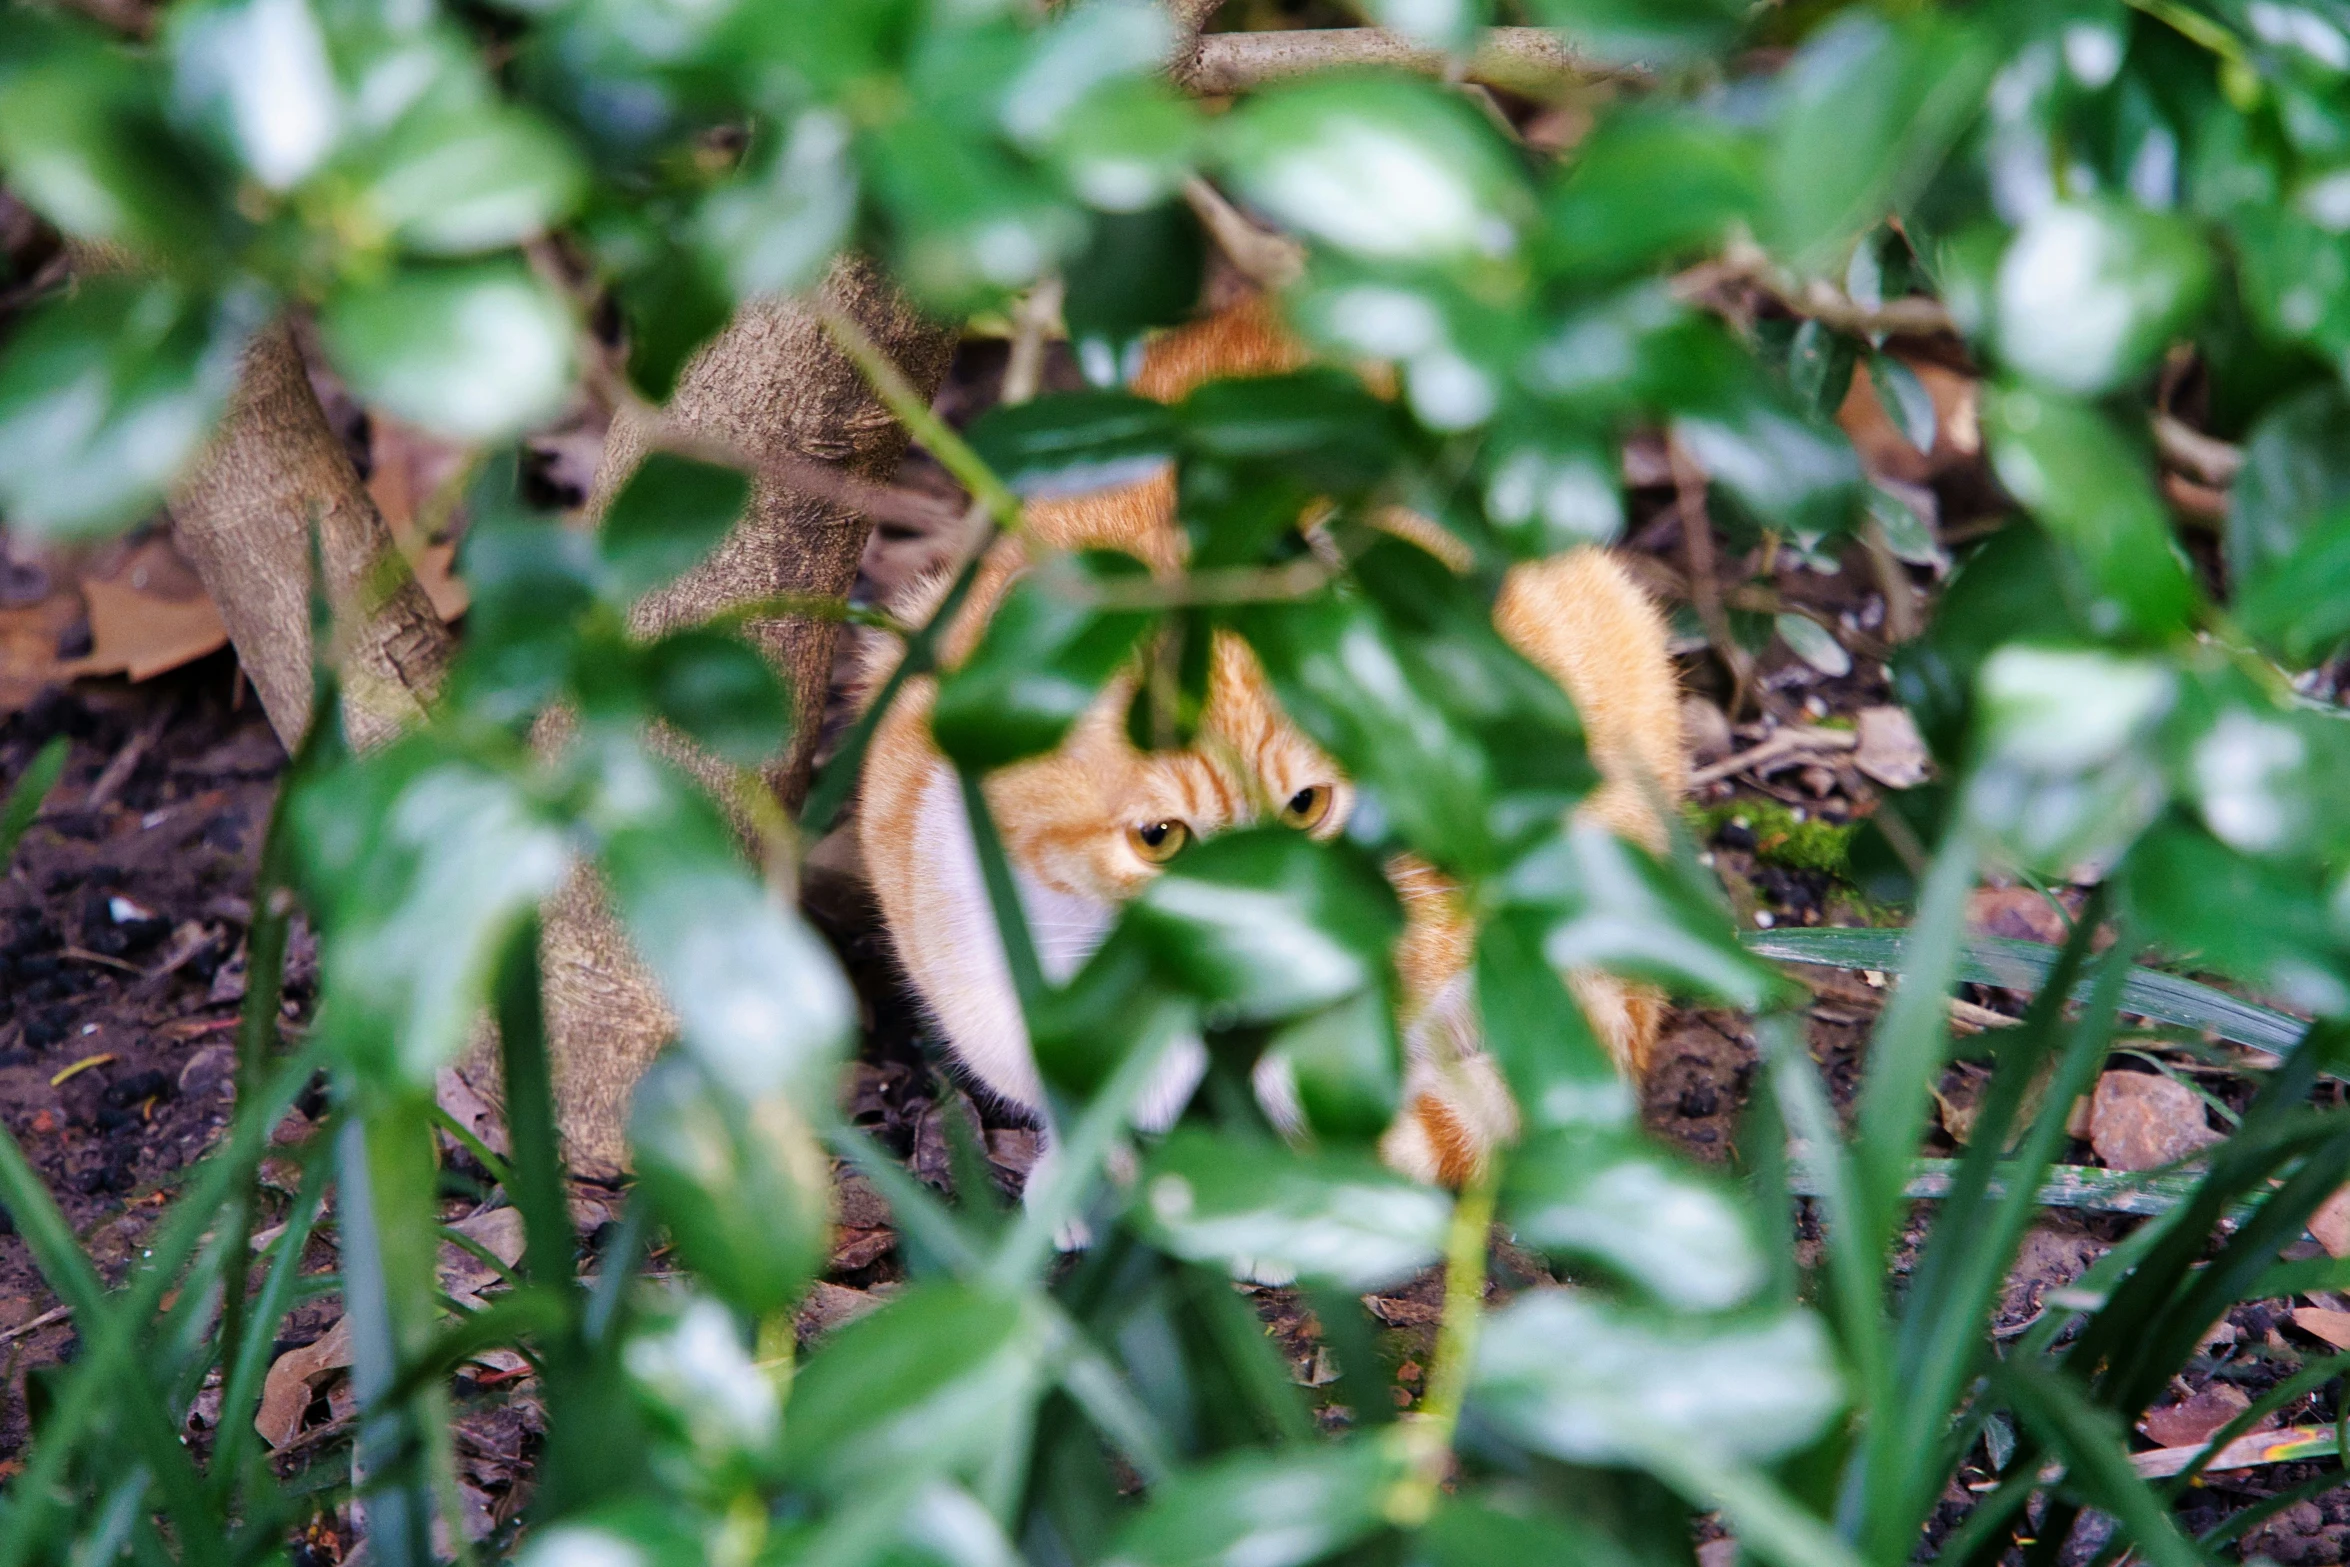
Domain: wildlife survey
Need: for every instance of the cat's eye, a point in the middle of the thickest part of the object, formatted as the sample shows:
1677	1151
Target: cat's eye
1306	809
1158	842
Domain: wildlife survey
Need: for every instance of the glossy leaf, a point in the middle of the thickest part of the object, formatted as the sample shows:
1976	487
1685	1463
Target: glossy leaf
775	230
1545	498
717	691
1268	924
1795	474
741	1184
1266	1509
1597	1384
1648	183
476	352
2086	484
1042	664
1265	1211
935	1382
1075	442
1645	1218
1379	167
258	75
106	395
672	512
2090	292
478	180
2295	482
1642	32
1140	270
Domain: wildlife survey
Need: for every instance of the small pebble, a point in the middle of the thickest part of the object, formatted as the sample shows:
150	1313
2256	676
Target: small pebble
1762	917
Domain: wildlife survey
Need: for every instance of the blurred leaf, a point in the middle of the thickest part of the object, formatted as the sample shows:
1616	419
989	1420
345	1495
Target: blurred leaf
1340	1219
1381	167
936	1382
1598	1384
672	306
32	786
972	222
1820	363
1075	442
741	1184
1814	643
1606	905
419	861
774	230
1141	270
1558	1071
672	512
1648	183
256	74
1263	1508
1267	923
482	178
1346	1065
1469	1530
475	352
2296	475
2269	925
2090	292
2301	603
759	998
1664	1226
2068	773
634	1533
1642	32
1325	426
1797	475
1127	147
713	688
1866	110
83	140
2093	491
2024	965
1906	402
106	394
1080	51
530	579
1544	498
1041	664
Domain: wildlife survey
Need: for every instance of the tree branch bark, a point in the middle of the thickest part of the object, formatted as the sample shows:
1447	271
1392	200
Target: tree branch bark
773	389
1534	61
243	516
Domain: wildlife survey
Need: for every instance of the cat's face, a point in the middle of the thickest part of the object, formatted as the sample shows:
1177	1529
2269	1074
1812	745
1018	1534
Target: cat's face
1097	819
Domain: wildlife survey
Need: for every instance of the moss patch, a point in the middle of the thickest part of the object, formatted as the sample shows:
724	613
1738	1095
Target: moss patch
1780	839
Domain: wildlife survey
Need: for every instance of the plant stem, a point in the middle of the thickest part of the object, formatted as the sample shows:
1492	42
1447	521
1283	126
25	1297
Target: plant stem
1428	1440
914	412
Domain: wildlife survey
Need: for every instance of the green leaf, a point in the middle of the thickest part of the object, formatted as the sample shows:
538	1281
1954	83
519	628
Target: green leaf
1257	1208
1128	146
1797	475
1906	402
1346	1065
713	688
775	229
106	394
1605	904
1812	642
2023	965
2092	490
1548	496
476	352
2266	924
1867	110
256	74
1643	32
83	140
2296	477
2090	292
1268	924
1820	363
759	998
1042	664
1598	1384
672	305
531	580
1650	183
1074	442
937	1381
2094	1448
1380	167
1471	1530
1263	1508
672	512
1664	1226
1141	270
1075	55
971	220
2066	736
419	862
741	1185
477	179
2301	604
1323	426
24	801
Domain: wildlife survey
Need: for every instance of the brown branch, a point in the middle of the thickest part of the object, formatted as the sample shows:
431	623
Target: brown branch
243	515
1269	260
2205	458
1533	61
1911	316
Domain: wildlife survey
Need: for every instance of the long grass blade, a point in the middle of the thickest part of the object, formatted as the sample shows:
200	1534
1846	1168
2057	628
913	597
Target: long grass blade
2090	1442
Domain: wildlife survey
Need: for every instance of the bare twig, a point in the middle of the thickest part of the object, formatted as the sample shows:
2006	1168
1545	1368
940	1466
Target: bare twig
125	762
1216	585
2206	458
1902	620
1035	315
1271	261
1534	61
1913	316
53	1314
1705	590
1785	746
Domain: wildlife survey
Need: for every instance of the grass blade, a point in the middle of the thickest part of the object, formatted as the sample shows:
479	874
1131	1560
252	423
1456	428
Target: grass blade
2096	1457
24	801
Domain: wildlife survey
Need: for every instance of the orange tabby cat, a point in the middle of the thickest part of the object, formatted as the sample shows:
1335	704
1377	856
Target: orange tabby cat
1086	826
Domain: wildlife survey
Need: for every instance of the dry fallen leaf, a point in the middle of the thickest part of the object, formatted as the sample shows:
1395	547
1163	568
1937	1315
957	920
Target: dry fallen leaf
830	1305
2330	1225
1890	749
2141	1121
2194	1419
2319	1322
286	1390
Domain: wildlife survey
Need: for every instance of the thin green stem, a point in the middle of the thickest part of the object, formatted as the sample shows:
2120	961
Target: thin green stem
914	411
1428	1441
